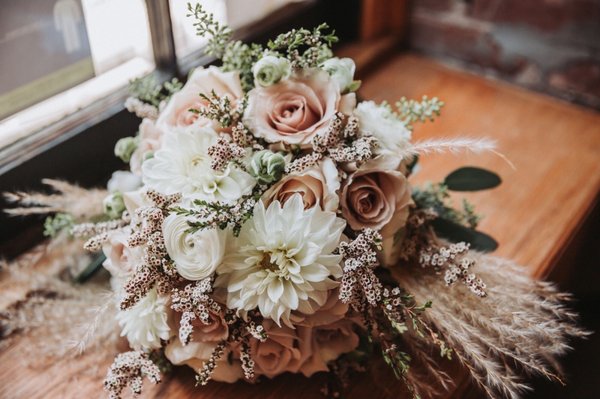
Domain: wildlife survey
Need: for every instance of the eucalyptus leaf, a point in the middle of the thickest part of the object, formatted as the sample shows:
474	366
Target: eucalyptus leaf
470	178
91	269
457	233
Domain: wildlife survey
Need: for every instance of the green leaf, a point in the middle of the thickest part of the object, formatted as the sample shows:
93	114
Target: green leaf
355	85
91	269
470	178
456	233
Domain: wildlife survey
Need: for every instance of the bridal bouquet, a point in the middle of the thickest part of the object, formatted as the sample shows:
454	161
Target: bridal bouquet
267	225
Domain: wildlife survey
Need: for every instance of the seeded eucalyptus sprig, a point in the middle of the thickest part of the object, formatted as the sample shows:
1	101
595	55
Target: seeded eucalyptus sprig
240	57
148	90
206	25
411	111
305	48
437	198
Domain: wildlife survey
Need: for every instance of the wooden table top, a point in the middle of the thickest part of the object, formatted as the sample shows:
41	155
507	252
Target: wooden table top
534	214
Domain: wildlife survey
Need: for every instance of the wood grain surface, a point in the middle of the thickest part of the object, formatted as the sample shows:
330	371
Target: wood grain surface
534	215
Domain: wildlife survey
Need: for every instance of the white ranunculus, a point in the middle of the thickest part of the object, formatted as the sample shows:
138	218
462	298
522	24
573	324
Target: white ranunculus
145	324
341	71
196	255
270	70
122	181
183	166
378	120
283	260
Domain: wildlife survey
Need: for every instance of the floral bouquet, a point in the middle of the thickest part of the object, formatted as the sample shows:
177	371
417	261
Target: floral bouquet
267	225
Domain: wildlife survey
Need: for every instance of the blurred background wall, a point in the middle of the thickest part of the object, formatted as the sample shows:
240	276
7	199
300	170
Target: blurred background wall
552	46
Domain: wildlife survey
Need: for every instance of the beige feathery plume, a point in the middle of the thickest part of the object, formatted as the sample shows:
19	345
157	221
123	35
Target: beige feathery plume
39	300
69	198
453	146
521	326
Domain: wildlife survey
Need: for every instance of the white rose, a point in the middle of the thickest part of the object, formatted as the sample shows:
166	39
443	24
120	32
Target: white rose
378	120
270	70
196	255
341	71
122	181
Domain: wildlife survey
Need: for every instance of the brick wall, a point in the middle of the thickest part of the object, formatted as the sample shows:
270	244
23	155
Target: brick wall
551	46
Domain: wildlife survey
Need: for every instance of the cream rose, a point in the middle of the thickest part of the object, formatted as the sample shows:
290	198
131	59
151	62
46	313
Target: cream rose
196	255
176	115
294	110
378	120
377	196
149	140
317	185
122	181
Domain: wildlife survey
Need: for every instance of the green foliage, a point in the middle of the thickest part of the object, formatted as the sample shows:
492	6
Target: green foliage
411	111
206	25
207	214
303	47
470	178
91	269
240	57
148	90
437	198
57	223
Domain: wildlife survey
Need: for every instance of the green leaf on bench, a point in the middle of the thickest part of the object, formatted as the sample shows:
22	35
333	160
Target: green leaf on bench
455	232
470	178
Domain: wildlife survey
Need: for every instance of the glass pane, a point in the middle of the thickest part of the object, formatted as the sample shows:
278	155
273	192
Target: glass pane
236	13
62	55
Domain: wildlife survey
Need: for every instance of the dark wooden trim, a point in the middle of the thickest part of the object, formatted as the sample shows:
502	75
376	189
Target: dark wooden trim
161	32
383	17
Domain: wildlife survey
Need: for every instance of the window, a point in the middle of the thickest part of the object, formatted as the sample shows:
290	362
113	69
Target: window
90	49
59	56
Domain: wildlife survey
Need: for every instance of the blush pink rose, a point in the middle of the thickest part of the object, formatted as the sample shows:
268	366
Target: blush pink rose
285	349
176	115
294	110
320	314
328	343
377	196
121	260
195	354
149	141
317	185
204	339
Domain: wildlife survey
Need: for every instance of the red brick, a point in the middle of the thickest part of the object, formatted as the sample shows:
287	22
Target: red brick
472	44
433	5
580	77
547	15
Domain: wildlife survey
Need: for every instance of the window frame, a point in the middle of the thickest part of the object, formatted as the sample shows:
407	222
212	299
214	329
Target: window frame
79	147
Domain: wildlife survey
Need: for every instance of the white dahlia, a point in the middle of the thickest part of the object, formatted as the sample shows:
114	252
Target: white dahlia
183	166
145	323
283	260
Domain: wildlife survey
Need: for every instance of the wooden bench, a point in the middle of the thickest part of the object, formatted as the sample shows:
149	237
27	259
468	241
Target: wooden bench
535	215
